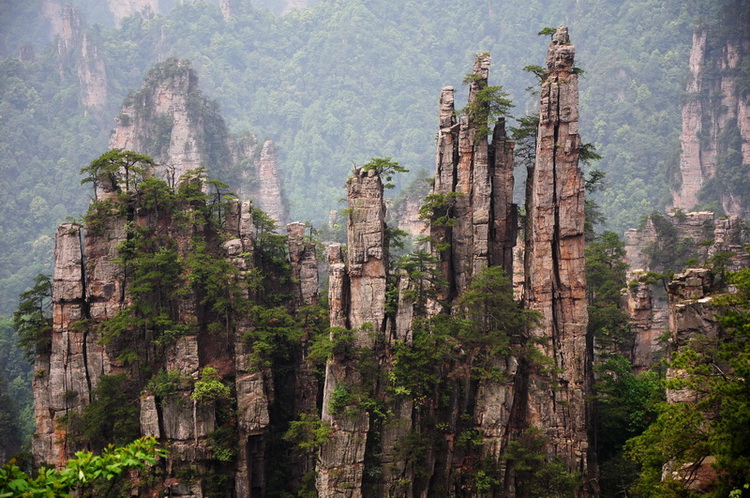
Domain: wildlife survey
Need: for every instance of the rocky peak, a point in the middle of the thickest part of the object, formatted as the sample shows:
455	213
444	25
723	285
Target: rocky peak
170	120
161	120
78	54
357	296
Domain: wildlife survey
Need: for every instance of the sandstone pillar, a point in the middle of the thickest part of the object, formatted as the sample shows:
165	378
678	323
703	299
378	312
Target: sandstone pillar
559	398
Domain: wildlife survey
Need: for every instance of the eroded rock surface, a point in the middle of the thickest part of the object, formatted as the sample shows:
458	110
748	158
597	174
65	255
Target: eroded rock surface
559	403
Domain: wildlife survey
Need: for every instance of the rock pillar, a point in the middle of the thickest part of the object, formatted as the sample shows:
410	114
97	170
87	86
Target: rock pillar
559	398
357	301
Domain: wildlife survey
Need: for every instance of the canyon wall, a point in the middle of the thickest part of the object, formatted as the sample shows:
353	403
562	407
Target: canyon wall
715	138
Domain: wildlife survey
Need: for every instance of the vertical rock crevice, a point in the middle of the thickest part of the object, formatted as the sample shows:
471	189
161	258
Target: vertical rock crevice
358	293
559	400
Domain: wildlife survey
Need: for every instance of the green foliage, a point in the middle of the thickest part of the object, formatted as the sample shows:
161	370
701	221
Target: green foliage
274	336
668	252
587	154
167	383
308	433
84	475
341	398
110	418
117	170
538	71
421	270
731	171
525	136
438	209
223	443
213	279
338	342
156	196
626	404
536	474
271	259
33	318
605	279
210	388
718	369
464	344
10	424
385	168
489	104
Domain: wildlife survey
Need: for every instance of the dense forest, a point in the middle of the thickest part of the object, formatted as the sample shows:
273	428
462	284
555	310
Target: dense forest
334	84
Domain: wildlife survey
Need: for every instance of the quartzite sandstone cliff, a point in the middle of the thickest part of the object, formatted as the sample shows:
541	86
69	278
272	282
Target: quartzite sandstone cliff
170	120
382	440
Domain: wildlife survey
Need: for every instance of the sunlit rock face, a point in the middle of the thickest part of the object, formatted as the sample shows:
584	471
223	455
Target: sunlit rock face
555	268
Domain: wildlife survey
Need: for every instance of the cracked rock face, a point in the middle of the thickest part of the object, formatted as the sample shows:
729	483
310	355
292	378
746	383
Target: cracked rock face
559	403
357	301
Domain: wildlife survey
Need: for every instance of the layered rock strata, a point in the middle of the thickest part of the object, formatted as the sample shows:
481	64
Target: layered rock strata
304	262
79	54
559	402
474	178
706	236
88	291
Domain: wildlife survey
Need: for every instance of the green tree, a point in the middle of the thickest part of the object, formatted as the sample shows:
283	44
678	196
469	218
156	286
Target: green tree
112	415
489	104
385	168
33	318
605	279
116	169
717	369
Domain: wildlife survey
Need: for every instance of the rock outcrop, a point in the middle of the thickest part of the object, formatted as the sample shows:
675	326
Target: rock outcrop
125	8
442	424
559	403
715	139
164	121
678	237
171	121
78	54
473	188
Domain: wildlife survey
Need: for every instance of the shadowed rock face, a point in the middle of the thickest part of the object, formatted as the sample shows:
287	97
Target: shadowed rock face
559	403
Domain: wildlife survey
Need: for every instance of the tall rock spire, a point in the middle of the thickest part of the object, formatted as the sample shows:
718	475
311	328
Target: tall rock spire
559	400
358	295
475	179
